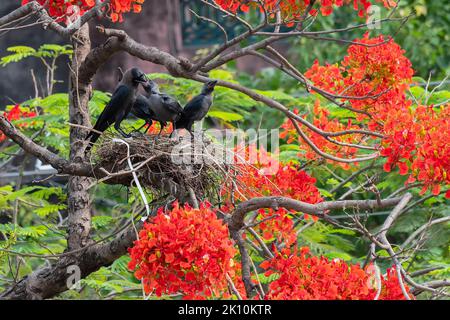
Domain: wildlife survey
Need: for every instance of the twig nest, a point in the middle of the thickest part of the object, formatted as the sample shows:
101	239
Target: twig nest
162	164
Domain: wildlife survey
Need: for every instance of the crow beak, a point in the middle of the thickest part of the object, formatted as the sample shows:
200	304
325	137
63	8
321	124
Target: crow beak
146	84
212	84
142	79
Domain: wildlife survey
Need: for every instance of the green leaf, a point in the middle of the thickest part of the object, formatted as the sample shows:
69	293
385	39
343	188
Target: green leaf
29	231
268	279
221	75
325	193
99	222
342	231
225	116
290	147
338	255
275	94
332	181
20	53
419	80
417	92
49	209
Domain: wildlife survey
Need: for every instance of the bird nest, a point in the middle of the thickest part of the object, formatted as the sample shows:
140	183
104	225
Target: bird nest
162	164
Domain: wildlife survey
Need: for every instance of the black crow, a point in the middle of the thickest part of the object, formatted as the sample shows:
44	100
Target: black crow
141	107
120	104
156	106
197	108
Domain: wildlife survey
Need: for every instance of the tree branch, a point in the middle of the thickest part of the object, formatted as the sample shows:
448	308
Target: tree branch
319	210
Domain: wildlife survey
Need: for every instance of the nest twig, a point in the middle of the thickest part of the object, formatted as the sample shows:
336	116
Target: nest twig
159	167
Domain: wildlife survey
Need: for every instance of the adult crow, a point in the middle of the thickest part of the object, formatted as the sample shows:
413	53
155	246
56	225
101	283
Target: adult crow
119	106
156	106
197	108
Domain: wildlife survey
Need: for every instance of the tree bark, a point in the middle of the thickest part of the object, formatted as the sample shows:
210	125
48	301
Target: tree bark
79	201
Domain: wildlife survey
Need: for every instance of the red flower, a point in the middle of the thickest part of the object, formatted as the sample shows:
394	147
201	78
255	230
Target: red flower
302	276
415	137
294	9
321	119
185	251
256	178
16	113
60	9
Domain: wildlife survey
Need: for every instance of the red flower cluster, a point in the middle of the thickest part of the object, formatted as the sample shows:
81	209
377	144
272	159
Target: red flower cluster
375	68
64	9
279	229
256	179
305	277
184	251
419	137
118	7
16	113
260	174
415	136
294	9
288	182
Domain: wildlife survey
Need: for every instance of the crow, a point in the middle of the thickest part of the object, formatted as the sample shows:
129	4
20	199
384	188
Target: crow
156	106
119	106
197	108
141	107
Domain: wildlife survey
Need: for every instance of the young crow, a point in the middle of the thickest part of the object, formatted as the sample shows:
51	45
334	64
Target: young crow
197	108
119	106
141	107
156	106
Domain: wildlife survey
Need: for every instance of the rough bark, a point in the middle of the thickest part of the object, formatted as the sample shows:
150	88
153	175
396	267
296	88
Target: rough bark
79	202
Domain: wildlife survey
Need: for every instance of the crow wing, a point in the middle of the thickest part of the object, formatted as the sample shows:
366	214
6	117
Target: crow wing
195	109
141	108
172	105
114	106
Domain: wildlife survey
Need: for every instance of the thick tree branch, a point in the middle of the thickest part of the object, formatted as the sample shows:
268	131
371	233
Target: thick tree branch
62	165
435	284
319	210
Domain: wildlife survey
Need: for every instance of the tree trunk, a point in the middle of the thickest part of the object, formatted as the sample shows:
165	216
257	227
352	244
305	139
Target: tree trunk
79	201
46	282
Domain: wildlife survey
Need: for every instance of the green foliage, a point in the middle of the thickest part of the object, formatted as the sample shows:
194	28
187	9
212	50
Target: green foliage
436	95
99	222
20	53
327	241
31	231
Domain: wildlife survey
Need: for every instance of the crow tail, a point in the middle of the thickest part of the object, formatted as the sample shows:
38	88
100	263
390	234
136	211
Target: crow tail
92	137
